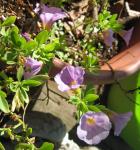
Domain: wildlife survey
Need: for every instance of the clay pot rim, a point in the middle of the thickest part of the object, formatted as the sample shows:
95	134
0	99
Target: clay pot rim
120	66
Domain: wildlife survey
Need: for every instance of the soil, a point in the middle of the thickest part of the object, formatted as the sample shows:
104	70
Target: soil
77	10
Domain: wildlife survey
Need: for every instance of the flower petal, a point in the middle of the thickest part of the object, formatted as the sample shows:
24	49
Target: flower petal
61	86
50	14
32	67
70	77
108	37
27	36
126	35
120	121
93	127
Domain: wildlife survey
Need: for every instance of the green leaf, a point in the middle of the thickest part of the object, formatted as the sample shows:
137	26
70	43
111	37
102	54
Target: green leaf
2	31
82	107
91	97
17	39
42	37
102	107
50	47
3	103
40	78
15	29
94	108
30	45
1	146
23	96
31	82
3	94
89	89
24	146
3	75
10	62
46	146
20	73
74	100
10	20
29	132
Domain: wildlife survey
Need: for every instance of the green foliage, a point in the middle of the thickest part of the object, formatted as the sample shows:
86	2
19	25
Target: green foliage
20	73
1	146
107	21
24	146
91	97
46	146
85	100
3	102
42	37
43	46
9	21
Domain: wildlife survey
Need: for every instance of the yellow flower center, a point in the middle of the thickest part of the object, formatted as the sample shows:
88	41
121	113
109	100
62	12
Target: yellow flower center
90	121
73	83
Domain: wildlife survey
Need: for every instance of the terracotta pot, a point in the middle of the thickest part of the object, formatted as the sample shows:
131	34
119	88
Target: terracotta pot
124	64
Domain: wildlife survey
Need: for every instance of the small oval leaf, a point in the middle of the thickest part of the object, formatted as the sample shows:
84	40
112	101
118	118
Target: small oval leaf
91	97
20	73
3	103
42	37
10	20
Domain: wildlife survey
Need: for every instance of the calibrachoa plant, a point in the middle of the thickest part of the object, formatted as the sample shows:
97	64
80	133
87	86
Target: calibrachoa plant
95	120
25	61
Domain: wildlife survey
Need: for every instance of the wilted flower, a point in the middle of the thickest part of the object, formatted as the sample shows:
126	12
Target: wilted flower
108	37
27	36
70	77
93	127
49	15
119	121
32	67
126	35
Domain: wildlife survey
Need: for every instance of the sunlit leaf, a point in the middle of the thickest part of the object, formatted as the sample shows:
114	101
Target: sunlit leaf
23	96
31	82
20	73
10	20
91	97
3	103
46	146
1	146
93	108
24	146
42	37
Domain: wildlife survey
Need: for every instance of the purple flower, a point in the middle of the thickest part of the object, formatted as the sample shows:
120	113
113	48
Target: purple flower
126	35
119	121
108	37
49	15
32	67
27	36
93	127
70	77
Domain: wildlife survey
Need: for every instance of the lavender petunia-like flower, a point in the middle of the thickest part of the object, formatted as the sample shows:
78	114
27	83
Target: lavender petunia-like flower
93	127
126	35
27	36
70	77
49	15
108	37
119	121
32	67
